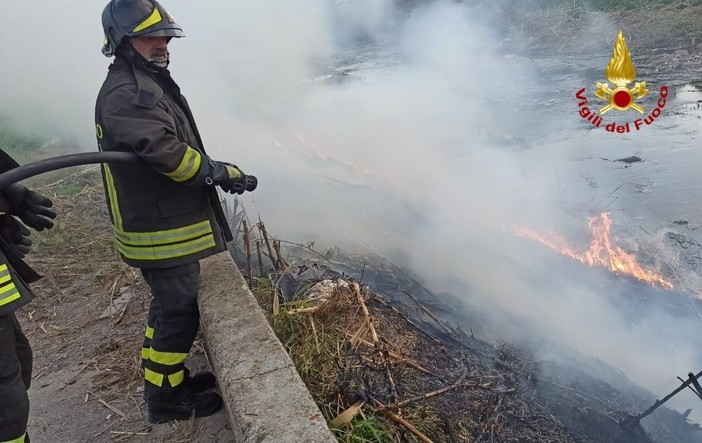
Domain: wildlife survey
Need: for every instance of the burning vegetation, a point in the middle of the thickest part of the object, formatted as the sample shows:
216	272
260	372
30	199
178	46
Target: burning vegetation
383	360
603	251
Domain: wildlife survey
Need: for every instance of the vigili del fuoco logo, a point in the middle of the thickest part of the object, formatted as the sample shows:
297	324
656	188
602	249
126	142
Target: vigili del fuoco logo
619	97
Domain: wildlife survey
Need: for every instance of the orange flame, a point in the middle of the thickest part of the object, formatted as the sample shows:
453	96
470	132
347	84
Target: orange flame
603	252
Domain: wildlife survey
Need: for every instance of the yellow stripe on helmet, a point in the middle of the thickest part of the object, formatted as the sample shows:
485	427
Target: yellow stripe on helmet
154	18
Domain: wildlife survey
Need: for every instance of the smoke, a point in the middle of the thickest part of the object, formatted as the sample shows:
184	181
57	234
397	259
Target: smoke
51	66
410	133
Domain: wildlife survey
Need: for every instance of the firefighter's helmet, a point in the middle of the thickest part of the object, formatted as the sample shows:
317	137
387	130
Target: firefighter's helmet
133	18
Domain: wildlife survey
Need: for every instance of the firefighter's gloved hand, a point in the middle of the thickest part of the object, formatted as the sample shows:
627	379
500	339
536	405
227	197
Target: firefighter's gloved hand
237	182
15	234
31	207
248	183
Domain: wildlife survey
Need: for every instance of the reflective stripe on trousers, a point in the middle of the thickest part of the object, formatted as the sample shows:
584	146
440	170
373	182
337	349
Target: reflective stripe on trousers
16	440
172	326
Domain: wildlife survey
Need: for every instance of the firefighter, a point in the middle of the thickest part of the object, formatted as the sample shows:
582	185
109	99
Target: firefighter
165	209
15	275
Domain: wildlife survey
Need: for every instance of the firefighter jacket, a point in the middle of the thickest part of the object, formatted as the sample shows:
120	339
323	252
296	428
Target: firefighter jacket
159	220
14	290
15	274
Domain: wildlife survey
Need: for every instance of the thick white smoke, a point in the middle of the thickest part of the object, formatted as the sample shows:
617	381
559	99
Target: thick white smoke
408	133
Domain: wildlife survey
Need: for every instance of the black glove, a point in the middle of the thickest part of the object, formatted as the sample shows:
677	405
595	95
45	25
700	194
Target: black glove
237	182
15	235
31	207
248	183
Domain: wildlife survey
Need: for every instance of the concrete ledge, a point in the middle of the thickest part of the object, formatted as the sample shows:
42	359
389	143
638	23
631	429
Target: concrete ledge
264	395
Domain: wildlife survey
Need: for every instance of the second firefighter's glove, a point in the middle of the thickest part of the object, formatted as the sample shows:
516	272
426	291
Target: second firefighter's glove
31	207
15	234
237	182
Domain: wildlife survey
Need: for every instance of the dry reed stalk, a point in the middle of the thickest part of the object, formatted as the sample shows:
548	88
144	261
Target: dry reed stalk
281	260
309	310
374	335
113	287
121	315
260	260
359	335
394	355
457	384
247	248
346	416
112	408
264	234
431	394
322	297
426	310
314	332
397	419
275	303
369	321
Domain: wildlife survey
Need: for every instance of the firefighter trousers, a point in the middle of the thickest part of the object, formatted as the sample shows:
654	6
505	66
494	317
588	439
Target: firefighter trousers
15	378
172	325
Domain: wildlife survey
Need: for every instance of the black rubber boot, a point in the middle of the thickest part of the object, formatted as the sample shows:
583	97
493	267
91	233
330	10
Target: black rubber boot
194	405
202	381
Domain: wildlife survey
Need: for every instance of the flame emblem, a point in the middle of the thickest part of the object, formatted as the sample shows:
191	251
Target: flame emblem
620	72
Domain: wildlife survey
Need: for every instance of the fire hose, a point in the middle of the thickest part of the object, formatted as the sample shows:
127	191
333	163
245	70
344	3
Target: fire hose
63	161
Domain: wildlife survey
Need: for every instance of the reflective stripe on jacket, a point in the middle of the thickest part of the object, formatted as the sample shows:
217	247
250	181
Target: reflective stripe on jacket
14	292
158	219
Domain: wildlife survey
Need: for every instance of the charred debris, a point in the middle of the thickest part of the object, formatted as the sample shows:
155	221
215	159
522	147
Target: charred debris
387	360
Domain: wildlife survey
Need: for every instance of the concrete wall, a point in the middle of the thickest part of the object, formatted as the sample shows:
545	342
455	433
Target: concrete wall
263	393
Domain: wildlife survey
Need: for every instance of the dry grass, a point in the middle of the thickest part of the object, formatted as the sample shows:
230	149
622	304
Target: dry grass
377	377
